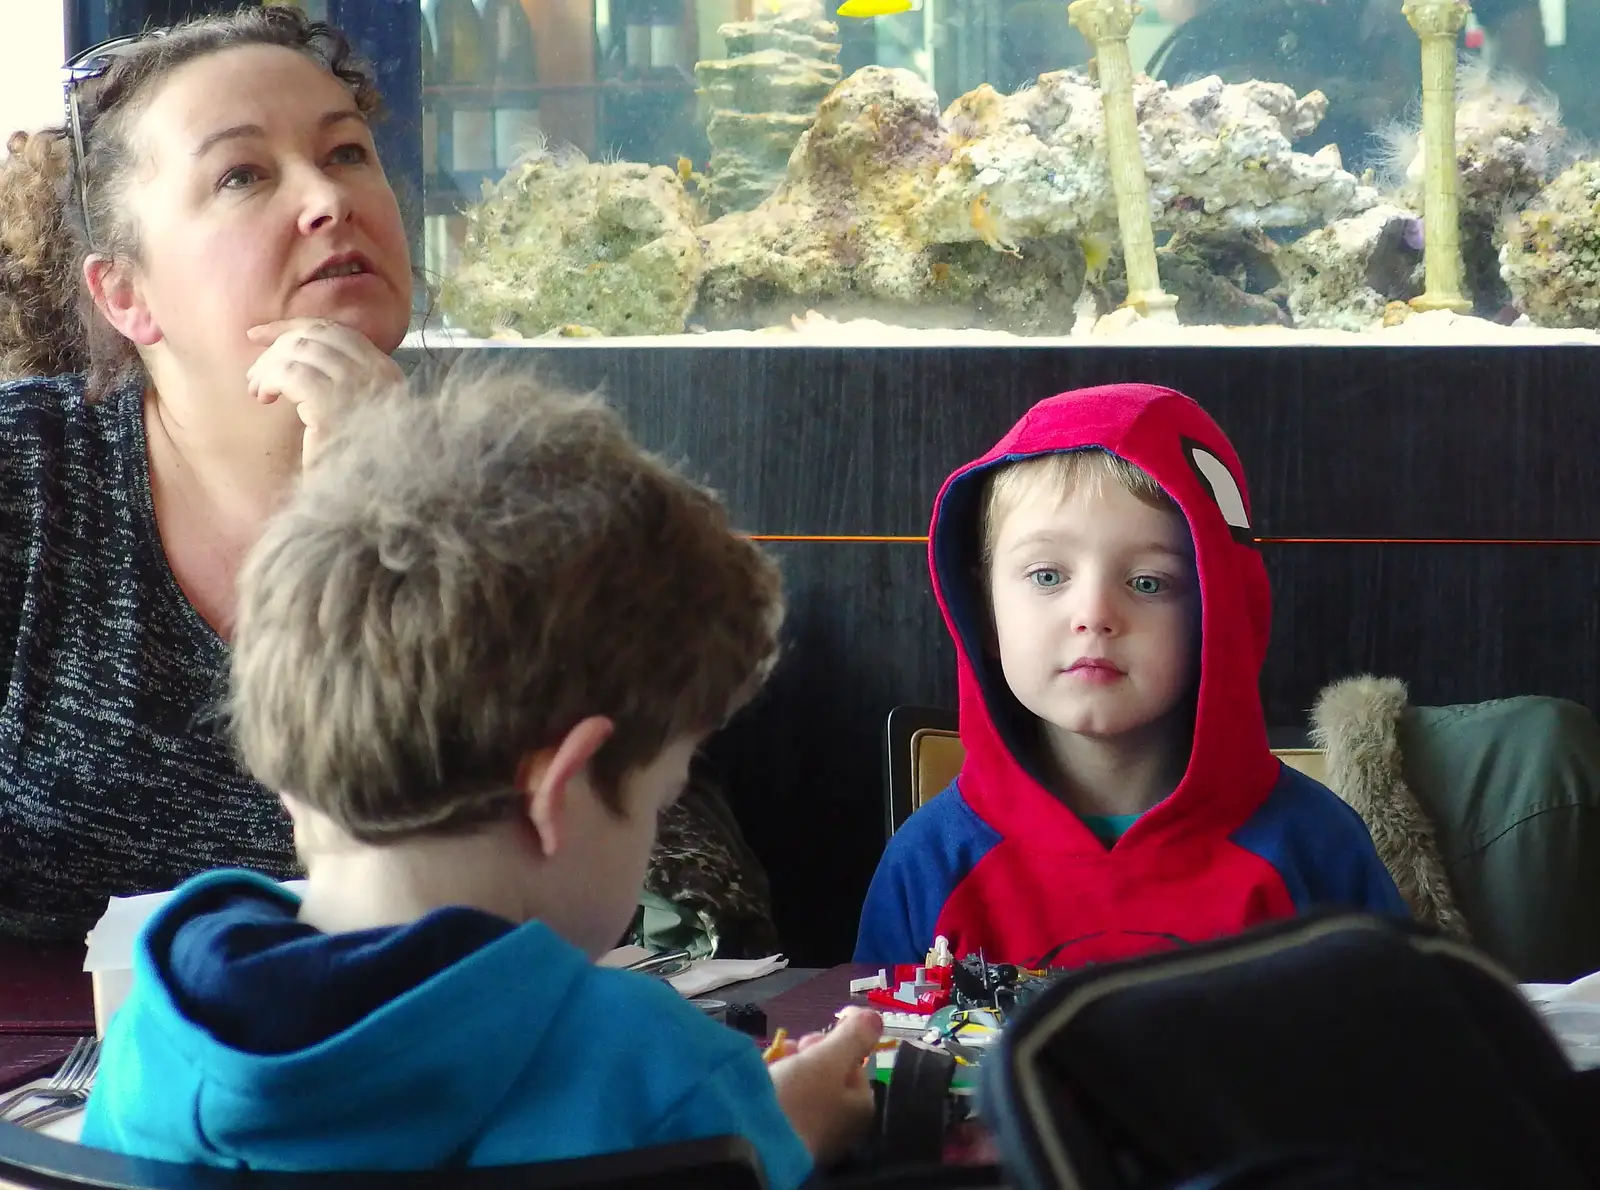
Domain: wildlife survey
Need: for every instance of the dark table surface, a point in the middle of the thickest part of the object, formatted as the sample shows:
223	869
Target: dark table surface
46	1004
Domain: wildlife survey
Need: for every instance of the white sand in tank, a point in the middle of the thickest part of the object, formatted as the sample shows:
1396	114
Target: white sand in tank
1121	329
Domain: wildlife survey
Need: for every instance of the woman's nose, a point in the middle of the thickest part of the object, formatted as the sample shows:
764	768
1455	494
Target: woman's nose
322	201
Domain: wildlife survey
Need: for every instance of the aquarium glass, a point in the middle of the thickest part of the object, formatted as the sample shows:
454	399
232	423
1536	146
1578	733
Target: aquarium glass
943	170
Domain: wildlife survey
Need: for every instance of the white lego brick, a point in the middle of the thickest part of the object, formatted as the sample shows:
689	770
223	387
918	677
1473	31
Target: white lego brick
909	1021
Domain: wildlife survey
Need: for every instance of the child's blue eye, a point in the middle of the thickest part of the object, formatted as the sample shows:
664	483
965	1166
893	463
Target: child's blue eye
1147	584
1045	577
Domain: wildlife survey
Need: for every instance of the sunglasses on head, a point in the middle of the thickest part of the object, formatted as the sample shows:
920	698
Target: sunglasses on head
91	64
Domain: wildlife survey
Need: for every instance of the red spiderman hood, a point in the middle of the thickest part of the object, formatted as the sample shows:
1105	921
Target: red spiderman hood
1231	769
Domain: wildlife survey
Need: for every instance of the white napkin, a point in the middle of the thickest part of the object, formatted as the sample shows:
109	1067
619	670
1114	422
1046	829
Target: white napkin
708	975
1585	990
1572	1010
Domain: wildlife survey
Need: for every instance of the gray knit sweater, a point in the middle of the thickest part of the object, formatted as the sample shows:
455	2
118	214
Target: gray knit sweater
114	775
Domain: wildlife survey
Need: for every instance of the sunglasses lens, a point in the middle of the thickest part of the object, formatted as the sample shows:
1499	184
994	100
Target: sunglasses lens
97	59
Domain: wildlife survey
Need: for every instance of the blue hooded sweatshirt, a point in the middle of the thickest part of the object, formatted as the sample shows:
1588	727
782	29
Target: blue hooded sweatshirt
252	1040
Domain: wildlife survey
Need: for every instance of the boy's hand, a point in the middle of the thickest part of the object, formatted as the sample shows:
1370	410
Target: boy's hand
823	1086
316	365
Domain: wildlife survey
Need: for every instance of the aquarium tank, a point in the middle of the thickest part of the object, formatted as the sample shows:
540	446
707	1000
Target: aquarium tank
1099	171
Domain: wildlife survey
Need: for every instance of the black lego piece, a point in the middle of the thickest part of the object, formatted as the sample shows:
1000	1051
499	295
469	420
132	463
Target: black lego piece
747	1018
916	1104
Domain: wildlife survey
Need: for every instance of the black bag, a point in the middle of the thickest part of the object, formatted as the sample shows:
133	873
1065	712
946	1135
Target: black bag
1336	1051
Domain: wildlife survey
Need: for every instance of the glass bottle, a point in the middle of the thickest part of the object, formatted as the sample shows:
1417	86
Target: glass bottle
465	66
516	73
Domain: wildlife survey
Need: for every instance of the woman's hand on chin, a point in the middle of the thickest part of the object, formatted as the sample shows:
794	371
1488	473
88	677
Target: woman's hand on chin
317	366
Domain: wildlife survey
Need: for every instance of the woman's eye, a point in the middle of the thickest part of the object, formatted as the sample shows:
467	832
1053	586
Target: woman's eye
239	176
1046	577
351	154
1148	584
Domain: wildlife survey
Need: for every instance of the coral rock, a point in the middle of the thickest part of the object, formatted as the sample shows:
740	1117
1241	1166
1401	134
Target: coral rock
1218	156
1345	276
987	205
761	99
560	240
840	235
1551	256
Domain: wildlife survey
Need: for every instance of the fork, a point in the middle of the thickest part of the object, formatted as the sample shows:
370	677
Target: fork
71	1081
47	1113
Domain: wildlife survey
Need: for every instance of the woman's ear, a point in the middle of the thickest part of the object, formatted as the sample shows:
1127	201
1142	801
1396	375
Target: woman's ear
118	297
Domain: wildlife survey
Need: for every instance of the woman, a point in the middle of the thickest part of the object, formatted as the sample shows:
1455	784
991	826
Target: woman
226	184
216	210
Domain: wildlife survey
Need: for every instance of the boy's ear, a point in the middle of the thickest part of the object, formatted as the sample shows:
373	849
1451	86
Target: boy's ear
546	778
117	296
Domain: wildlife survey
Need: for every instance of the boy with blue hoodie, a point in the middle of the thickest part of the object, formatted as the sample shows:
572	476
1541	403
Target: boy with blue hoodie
1111	615
475	654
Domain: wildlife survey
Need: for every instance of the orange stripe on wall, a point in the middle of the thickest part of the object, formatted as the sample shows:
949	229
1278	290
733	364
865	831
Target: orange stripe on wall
923	540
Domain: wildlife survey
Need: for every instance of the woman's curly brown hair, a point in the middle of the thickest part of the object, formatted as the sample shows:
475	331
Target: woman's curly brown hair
48	324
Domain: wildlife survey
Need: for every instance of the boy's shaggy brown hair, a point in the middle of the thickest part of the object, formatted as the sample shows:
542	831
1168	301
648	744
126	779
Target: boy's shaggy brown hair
465	574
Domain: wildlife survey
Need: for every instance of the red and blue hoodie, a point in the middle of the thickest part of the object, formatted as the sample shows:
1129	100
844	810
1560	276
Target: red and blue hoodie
999	862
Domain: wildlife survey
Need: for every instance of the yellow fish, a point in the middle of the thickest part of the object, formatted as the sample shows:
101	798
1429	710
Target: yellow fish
867	9
988	227
1096	253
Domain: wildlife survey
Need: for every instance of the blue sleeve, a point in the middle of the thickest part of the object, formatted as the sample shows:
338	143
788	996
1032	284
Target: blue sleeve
736	1097
1321	849
925	860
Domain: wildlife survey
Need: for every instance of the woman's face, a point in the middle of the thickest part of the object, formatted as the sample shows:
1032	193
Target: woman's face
254	178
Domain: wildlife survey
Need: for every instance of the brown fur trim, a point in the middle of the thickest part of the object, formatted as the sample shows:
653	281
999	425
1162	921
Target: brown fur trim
1356	722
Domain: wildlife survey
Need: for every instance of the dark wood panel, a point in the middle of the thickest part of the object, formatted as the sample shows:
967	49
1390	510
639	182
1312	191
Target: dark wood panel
804	764
1370	442
1458	623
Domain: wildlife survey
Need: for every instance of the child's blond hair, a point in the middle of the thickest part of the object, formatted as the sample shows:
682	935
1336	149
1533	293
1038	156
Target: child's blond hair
1060	474
465	574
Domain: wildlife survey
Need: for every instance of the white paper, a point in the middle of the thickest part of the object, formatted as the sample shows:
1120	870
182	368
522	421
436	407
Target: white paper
708	975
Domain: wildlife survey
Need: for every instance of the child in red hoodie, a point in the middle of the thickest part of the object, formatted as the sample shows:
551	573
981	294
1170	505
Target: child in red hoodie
1111	614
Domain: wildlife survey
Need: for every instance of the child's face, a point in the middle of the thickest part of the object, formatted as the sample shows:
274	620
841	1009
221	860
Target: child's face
1096	609
606	856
